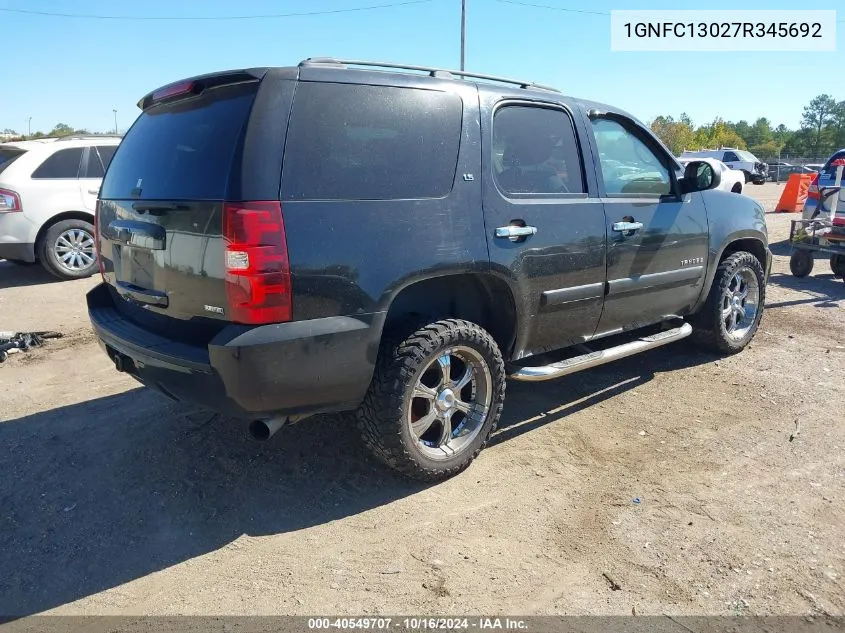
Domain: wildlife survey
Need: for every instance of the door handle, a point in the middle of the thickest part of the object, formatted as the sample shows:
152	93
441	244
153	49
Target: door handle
94	191
514	232
142	295
624	227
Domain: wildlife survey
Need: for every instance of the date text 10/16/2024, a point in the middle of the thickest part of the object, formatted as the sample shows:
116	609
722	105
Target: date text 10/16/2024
419	624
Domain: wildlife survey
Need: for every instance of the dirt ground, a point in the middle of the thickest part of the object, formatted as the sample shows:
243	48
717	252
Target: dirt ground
115	501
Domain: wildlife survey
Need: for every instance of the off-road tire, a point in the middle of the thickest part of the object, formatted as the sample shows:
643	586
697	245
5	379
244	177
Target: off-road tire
381	416
837	265
801	263
50	260
709	331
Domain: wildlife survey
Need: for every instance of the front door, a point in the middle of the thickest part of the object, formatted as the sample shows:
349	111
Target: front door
545	235
657	237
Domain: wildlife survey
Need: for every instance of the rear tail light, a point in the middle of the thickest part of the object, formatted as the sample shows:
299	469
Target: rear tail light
813	190
9	201
258	287
97	240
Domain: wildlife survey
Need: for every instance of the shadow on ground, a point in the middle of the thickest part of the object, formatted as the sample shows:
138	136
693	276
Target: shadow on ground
823	290
100	493
781	248
16	275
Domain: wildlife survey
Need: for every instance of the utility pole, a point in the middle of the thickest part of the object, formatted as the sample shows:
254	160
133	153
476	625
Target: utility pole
29	126
115	120
463	31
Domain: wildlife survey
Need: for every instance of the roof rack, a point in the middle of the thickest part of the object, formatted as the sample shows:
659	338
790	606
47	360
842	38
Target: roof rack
440	73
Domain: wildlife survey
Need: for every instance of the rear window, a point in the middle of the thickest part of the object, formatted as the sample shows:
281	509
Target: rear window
63	164
357	142
182	150
8	155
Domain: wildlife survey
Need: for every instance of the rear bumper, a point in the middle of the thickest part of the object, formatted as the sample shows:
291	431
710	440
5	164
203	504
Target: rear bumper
17	250
305	367
17	236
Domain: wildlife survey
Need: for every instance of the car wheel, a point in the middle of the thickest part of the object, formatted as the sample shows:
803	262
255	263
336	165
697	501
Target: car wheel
837	265
435	398
733	310
67	249
801	263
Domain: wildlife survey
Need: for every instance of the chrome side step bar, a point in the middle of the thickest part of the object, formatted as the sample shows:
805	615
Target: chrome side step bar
594	359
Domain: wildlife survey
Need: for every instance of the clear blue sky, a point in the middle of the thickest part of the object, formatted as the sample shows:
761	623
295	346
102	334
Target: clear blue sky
76	70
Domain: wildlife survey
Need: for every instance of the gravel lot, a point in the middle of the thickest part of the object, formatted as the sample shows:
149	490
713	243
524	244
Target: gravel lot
115	501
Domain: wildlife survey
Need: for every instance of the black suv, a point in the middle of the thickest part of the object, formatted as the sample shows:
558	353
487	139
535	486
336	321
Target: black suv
397	241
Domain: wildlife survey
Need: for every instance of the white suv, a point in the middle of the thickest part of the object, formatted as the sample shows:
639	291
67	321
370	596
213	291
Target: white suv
48	194
755	170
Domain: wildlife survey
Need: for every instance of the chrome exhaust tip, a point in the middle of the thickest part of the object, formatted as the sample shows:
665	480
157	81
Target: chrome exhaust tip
263	430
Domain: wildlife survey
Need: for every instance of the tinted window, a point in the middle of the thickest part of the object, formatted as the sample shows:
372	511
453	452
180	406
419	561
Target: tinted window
62	164
8	155
730	157
94	168
371	143
628	165
535	151
106	154
182	150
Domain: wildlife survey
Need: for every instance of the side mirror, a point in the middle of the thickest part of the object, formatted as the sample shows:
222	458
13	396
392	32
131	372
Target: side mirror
700	175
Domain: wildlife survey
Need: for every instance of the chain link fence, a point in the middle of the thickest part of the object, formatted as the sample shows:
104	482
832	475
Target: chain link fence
783	166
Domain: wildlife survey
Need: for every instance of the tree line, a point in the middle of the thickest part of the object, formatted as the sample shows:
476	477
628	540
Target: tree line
822	132
58	131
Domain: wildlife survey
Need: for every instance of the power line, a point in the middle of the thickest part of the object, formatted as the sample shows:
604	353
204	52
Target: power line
212	17
545	6
552	8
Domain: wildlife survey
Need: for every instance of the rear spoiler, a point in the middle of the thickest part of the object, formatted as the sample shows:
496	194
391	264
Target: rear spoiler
195	85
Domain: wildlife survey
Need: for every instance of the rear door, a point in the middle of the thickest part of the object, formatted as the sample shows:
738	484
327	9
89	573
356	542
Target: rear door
657	238
160	218
54	185
544	233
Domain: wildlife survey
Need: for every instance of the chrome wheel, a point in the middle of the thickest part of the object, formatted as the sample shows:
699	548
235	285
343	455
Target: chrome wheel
740	303
75	249
450	402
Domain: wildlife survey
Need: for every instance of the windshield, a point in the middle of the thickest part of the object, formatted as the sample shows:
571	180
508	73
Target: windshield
747	156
